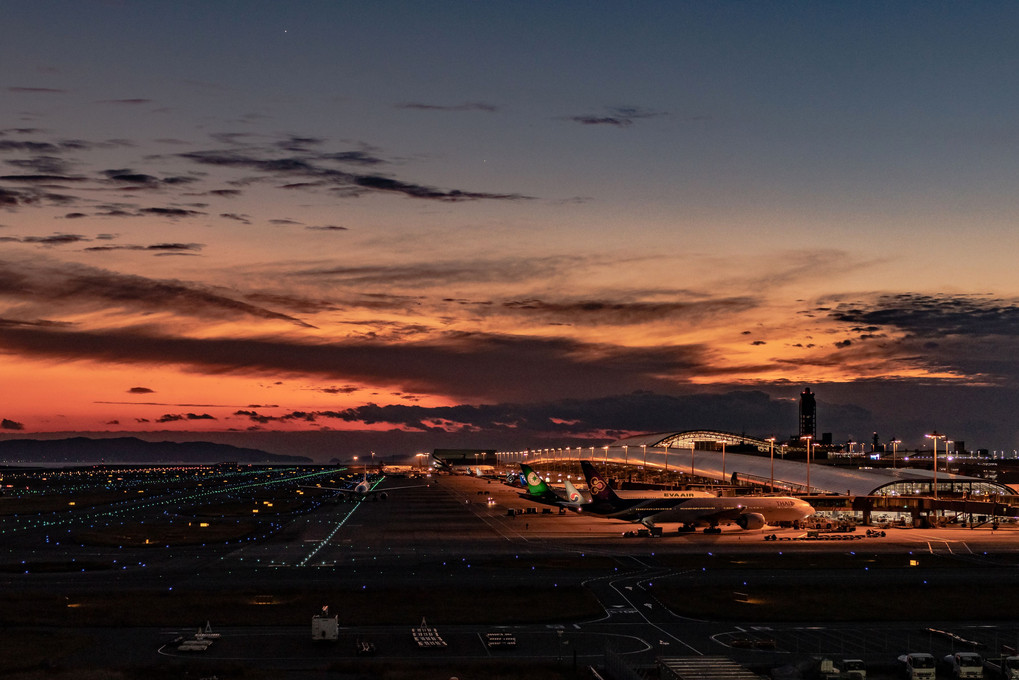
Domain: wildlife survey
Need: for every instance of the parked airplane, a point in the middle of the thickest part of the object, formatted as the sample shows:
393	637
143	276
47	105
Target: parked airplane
540	490
515	479
603	504
747	512
575	498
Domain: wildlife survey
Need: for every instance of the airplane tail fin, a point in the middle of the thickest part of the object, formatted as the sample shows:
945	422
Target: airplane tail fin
599	488
573	496
536	486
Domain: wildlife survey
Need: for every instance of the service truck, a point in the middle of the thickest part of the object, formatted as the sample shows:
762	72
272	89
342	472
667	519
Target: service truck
1006	668
966	665
852	669
919	665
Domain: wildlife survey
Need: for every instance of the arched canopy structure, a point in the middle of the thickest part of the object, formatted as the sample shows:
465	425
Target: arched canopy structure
704	440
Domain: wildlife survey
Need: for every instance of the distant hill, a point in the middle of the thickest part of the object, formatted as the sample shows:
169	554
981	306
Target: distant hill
132	450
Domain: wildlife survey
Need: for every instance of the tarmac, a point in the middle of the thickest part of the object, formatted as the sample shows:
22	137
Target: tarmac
426	536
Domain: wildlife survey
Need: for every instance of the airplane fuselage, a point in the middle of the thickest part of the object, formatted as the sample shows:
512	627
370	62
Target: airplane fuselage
692	507
724	510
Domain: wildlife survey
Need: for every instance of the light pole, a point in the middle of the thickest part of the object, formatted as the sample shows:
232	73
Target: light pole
722	442
771	441
626	455
935	437
606	454
667	456
895	450
810	441
644	448
373	460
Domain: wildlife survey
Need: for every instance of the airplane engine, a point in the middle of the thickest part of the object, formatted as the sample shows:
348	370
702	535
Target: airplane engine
383	495
751	520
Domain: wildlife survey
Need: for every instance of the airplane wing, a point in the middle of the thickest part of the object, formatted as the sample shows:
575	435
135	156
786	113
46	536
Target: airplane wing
646	508
710	516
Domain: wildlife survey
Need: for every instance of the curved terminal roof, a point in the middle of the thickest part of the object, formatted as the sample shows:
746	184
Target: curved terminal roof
700	454
695	439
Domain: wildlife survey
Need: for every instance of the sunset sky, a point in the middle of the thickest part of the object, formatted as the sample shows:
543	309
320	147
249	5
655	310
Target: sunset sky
410	225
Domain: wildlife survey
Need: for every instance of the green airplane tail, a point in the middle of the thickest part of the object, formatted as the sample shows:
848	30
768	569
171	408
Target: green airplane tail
536	486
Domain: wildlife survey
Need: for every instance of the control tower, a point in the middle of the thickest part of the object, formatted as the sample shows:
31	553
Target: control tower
808	414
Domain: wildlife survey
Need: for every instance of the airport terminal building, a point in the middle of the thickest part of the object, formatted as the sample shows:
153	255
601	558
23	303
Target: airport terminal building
736	459
735	463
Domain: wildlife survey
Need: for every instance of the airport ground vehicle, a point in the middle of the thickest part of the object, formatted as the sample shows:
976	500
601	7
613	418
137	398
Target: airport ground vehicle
852	669
1006	668
966	665
918	665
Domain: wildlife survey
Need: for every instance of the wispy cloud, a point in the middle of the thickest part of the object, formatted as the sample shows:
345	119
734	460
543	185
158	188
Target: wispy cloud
174	417
164	248
52	240
629	311
44	165
926	315
309	168
433	273
511	365
292	162
42	90
130	102
47	285
616	116
326	227
33	197
466	106
609	417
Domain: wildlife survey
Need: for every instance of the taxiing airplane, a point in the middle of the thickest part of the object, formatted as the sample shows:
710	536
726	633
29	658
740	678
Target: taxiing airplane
365	489
747	512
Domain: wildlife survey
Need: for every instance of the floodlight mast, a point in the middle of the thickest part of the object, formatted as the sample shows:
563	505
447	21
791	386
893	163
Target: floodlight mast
895	450
722	442
935	436
771	441
810	441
